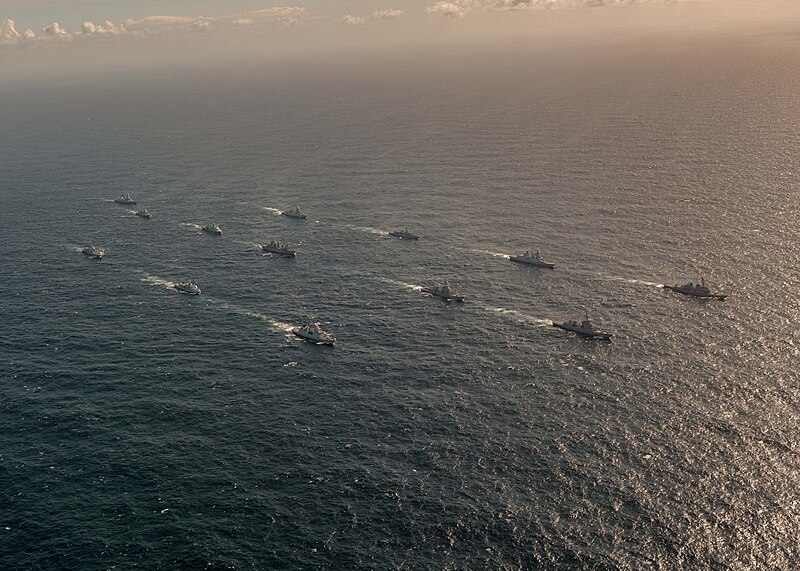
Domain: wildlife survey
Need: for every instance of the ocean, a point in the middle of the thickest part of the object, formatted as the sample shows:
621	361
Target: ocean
141	428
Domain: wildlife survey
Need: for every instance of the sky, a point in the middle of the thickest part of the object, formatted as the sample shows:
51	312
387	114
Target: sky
64	17
50	32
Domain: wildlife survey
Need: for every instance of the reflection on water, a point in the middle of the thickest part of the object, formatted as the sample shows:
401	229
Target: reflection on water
140	429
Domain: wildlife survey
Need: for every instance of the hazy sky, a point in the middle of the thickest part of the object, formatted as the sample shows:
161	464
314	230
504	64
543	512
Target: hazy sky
34	32
36	15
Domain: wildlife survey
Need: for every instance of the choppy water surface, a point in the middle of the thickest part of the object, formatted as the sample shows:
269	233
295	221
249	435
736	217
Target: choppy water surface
143	428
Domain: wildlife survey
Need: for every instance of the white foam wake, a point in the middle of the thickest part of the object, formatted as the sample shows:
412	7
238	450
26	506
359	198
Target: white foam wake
277	326
632	281
487	252
274	324
273	210
155	280
368	230
192	225
406	285
250	245
519	316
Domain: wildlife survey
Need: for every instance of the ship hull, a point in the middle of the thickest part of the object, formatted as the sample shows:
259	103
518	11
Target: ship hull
454	298
312	338
534	263
279	253
682	291
599	335
94	256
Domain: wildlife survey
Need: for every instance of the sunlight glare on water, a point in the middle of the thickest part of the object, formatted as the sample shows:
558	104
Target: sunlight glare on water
140	429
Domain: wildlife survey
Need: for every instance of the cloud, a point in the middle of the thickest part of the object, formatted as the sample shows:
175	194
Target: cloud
155	24
164	20
107	28
158	24
352	20
278	15
149	23
452	8
502	5
387	14
458	8
55	30
10	35
281	15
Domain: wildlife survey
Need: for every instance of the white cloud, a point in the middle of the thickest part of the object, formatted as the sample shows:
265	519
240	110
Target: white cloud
107	28
352	20
452	8
281	11
163	20
149	23
8	32
502	5
155	24
55	30
279	15
387	14
282	15
533	4
516	4
10	35
458	8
